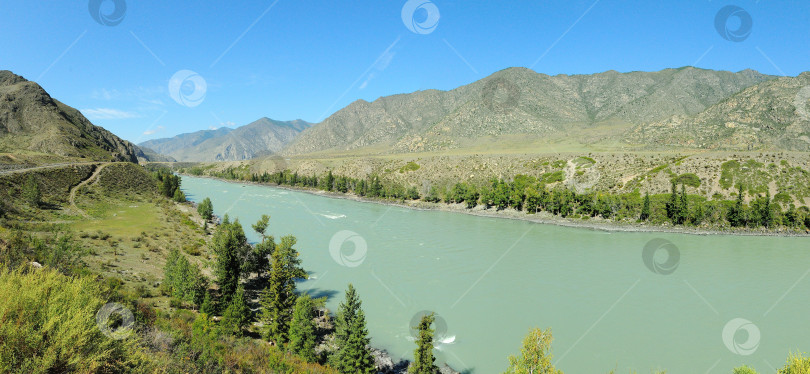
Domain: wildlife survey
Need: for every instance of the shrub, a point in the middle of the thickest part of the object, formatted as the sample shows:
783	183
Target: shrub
49	325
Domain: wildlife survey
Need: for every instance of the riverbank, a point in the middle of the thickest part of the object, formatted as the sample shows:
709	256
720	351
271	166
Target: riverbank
592	223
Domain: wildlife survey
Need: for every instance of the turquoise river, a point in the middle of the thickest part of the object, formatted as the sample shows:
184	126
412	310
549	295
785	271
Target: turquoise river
613	300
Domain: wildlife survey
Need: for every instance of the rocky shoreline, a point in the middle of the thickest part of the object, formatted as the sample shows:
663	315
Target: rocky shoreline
542	217
386	365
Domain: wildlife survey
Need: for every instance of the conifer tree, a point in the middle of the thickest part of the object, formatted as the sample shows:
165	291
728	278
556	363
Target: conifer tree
237	315
645	208
351	337
279	297
423	360
302	329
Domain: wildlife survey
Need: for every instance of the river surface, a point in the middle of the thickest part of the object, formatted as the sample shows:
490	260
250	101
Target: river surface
716	303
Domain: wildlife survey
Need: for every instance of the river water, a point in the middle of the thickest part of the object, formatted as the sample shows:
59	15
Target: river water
624	301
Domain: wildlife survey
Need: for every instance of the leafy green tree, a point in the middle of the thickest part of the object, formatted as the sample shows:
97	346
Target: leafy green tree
237	315
433	195
351	337
645	208
796	364
179	196
279	296
30	191
766	217
423	360
206	209
302	329
744	370
259	259
535	356
230	246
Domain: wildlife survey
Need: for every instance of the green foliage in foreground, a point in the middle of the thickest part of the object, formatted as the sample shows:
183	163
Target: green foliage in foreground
279	297
302	329
351	337
535	356
184	280
49	326
423	360
206	209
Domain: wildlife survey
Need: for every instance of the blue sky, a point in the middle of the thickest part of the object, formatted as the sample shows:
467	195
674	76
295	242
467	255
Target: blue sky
288	59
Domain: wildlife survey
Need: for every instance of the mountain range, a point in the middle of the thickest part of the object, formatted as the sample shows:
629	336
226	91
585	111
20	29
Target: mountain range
261	137
520	105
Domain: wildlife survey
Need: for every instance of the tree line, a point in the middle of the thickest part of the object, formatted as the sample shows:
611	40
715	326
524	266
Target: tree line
532	195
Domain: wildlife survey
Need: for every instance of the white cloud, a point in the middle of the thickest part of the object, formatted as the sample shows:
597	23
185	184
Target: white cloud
229	124
153	131
107	113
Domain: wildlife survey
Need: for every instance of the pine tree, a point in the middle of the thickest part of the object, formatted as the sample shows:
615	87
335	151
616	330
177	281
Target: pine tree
423	360
351	337
279	297
237	315
682	210
31	192
766	214
208	307
535	356
302	329
230	244
645	208
672	204
736	213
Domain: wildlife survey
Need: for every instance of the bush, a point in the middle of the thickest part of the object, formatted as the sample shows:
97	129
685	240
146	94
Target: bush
49	325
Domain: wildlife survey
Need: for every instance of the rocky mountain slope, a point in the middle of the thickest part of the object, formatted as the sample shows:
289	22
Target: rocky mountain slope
770	116
261	137
519	102
31	120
